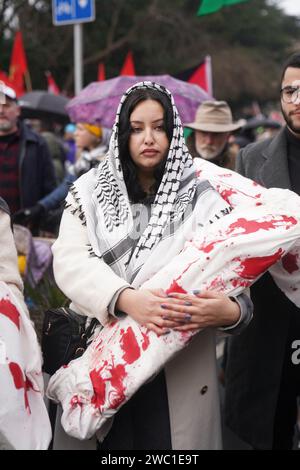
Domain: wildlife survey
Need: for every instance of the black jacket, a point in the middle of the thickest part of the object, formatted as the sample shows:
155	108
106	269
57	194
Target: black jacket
255	358
37	174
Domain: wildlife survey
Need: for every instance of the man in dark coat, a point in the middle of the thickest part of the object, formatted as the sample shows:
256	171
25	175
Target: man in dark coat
262	379
26	169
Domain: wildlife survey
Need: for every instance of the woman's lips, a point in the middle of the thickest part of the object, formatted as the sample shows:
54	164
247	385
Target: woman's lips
150	153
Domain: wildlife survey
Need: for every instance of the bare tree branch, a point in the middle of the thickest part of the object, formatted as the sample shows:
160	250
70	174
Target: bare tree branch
118	44
114	23
9	12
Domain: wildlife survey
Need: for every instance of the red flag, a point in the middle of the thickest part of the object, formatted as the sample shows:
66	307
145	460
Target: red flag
128	66
52	87
101	72
200	75
18	65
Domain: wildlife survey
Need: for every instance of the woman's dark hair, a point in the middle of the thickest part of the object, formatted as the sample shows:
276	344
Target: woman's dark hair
292	61
134	189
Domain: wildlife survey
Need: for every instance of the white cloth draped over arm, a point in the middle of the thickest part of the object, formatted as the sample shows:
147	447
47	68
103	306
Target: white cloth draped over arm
86	279
24	421
8	259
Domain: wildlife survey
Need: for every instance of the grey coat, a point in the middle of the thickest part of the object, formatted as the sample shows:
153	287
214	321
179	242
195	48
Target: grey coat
255	358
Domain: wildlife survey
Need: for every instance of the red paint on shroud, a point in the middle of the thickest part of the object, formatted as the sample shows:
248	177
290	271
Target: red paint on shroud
130	346
146	341
208	248
289	262
240	283
174	287
186	336
20	382
9	310
252	226
253	267
99	386
75	401
226	193
118	375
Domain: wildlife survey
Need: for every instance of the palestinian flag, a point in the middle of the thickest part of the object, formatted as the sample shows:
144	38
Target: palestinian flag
200	75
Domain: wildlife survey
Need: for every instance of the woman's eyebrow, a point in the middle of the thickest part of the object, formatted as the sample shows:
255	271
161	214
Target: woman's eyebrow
142	122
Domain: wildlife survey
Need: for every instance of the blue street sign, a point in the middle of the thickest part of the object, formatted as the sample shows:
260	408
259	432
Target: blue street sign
72	11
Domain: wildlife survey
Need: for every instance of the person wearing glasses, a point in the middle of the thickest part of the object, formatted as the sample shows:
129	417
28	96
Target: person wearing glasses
262	380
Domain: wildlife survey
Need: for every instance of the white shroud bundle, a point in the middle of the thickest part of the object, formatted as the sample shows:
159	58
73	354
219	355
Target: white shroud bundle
226	256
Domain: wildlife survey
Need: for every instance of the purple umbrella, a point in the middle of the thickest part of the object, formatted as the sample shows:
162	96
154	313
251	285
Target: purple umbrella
98	102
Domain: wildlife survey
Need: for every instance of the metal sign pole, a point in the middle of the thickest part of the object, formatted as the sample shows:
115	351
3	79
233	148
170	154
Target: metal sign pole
74	12
78	57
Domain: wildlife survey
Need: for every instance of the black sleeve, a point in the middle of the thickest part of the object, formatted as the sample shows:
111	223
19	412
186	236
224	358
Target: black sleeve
239	166
48	170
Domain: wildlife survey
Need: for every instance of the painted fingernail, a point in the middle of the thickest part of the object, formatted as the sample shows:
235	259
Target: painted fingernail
187	303
165	317
187	317
171	296
196	291
163	306
167	332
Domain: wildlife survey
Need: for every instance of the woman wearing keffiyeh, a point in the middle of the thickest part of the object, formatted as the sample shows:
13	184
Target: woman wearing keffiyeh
124	225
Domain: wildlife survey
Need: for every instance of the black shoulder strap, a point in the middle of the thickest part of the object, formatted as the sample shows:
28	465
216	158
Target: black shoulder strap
4	206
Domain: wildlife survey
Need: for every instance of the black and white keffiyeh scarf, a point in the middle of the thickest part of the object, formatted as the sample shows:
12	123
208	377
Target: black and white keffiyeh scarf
105	207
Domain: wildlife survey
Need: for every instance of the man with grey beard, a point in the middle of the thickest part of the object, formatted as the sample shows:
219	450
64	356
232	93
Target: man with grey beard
26	169
211	131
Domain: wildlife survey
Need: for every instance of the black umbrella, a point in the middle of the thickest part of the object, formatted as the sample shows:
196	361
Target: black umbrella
44	105
261	121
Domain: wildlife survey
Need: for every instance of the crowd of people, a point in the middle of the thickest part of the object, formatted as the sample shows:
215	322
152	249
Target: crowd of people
120	205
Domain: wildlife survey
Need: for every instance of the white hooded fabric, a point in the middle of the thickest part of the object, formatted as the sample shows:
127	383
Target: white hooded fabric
24	421
224	243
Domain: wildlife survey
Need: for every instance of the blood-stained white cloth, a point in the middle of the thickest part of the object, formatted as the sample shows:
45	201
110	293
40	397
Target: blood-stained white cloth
24	421
237	190
227	255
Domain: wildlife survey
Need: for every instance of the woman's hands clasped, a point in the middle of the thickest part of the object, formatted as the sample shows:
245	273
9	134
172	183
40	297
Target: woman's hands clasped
145	307
183	312
204	310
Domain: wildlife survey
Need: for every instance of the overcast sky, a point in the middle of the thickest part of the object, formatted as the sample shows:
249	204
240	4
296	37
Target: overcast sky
290	6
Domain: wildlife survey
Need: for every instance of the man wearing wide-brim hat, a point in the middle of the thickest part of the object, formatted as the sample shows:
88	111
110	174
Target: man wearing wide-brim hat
212	128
